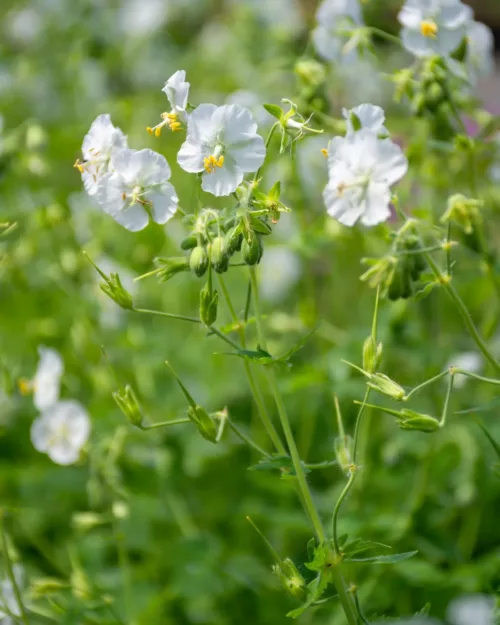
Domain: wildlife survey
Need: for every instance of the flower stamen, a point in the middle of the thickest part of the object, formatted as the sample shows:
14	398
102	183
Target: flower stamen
210	163
429	29
171	120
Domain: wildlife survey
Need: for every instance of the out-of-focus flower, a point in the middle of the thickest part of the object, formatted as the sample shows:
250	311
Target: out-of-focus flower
468	361
137	189
480	58
24	25
367	117
61	431
140	18
472	610
434	26
279	271
336	18
99	144
47	379
222	142
177	91
362	168
251	101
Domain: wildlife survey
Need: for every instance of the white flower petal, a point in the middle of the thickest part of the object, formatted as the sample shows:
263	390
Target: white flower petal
249	153
224	180
63	453
200	125
376	205
102	138
192	154
133	218
154	168
233	123
177	91
40	432
110	189
370	116
455	14
47	379
329	12
327	46
165	202
472	610
392	164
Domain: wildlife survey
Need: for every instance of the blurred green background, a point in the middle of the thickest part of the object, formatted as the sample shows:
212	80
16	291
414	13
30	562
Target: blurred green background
180	502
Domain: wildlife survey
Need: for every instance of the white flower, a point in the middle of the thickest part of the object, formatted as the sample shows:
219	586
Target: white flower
177	91
142	18
137	189
61	431
222	142
480	58
472	610
251	101
468	361
279	271
370	117
8	597
335	18
433	26
47	379
99	145
362	168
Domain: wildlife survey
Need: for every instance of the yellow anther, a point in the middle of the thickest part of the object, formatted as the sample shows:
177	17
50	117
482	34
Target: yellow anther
210	163
175	126
341	189
150	131
169	119
25	386
157	131
428	28
79	165
324	151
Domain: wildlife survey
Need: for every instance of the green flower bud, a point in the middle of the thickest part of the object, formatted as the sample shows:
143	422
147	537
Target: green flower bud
208	305
290	578
383	384
311	72
218	255
198	261
44	586
128	404
372	355
381	273
418	104
234	239
434	96
343	447
463	211
189	242
252	250
114	289
411	420
169	267
203	422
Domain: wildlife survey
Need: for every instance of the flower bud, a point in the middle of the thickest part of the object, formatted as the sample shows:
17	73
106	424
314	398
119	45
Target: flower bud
434	96
343	447
208	305
169	267
372	355
251	249
310	72
218	255
411	420
114	289
189	242
203	422
44	586
290	578
128	404
463	211
198	261
383	384
234	239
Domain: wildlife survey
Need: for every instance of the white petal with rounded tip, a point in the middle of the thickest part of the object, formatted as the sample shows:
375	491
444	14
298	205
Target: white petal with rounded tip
330	11
233	122
327	46
47	379
164	202
133	218
376	205
102	138
249	153
200	126
455	15
342	208
191	156
472	610
110	189
154	168
177	91
392	163
370	116
224	180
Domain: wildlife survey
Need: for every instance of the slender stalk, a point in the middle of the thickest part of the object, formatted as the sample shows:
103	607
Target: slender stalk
358	425
464	312
385	35
153	426
246	439
160	313
124	568
477	377
10	573
447	400
426	383
224	338
338	580
335	516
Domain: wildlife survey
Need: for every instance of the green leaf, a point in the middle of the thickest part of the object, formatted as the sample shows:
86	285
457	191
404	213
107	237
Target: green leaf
425	291
493	442
390	559
275	190
322	557
315	590
274	110
299	345
277	463
259	226
259	355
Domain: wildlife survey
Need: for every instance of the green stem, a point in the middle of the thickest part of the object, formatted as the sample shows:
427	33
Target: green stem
426	383
384	35
153	426
306	496
476	377
447	400
10	573
246	439
268	141
160	313
462	308
342	496
224	338
125	569
358	425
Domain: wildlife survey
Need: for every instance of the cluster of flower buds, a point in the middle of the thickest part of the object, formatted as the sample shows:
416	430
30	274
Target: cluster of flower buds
408	268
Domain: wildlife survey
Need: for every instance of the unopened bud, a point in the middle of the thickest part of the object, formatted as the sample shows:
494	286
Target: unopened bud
311	72
114	289
343	447
251	249
372	355
87	520
209	300
80	585
463	211
234	239
169	267
189	242
383	384
290	578
411	420
198	261
218	255
204	422
44	586
128	404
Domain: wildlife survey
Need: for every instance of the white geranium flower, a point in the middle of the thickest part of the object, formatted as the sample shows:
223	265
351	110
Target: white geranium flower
8	597
61	431
177	91
468	361
47	380
370	117
362	168
222	142
334	18
137	189
472	610
480	60
433	26
279	271
99	144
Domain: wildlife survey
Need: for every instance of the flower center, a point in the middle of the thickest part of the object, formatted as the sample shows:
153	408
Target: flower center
171	120
135	196
210	163
429	28
361	183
